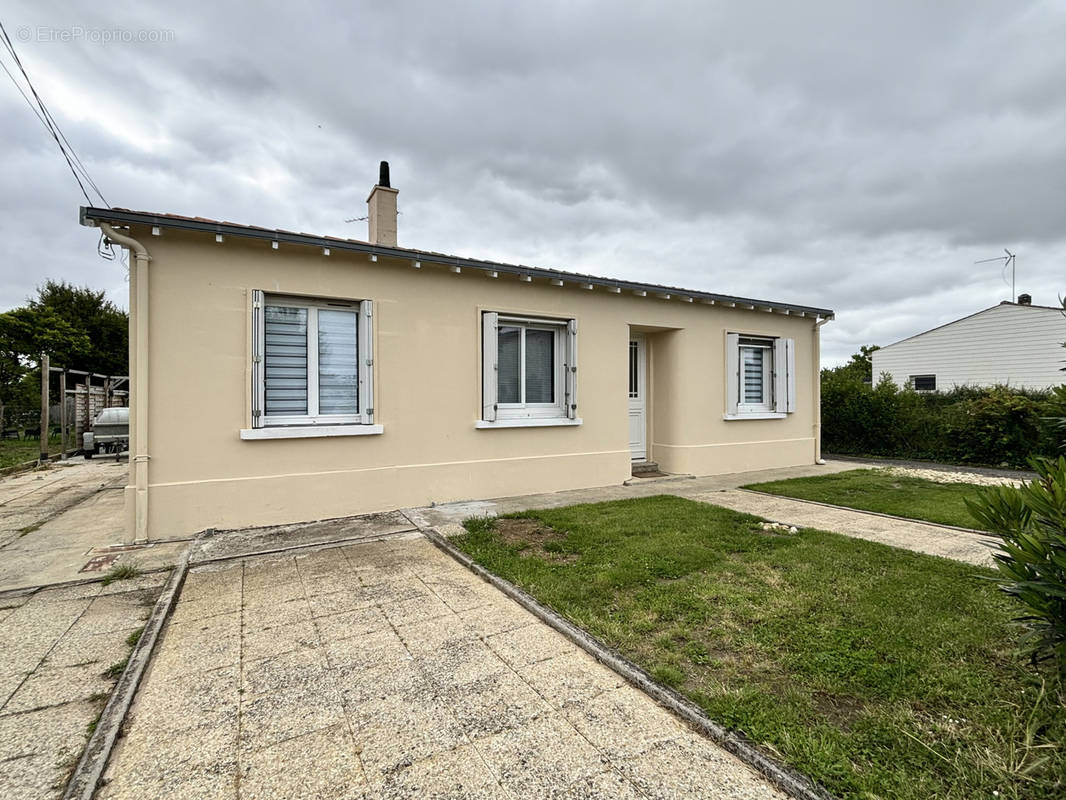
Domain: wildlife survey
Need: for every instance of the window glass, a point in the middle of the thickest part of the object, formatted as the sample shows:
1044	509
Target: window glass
509	365
634	376
338	362
924	383
540	366
752	371
285	372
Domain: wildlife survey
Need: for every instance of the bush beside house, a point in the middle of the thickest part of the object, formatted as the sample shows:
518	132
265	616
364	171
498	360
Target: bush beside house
996	426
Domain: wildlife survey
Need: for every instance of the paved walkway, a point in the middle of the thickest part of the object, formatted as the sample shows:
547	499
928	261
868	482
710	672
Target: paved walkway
386	670
55	646
935	540
55	521
721	490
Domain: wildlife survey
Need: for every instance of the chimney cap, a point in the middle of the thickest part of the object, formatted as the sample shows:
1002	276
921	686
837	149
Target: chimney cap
1025	300
383	175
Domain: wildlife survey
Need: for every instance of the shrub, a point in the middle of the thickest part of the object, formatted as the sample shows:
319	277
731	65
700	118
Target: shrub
997	426
1031	524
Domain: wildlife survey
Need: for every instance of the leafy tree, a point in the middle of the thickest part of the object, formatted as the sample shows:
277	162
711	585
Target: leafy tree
859	367
76	326
89	312
27	332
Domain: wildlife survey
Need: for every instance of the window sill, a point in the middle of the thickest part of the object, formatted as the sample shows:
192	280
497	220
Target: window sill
547	422
310	431
756	415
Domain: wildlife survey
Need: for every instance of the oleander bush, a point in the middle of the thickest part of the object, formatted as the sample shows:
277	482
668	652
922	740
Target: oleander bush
1031	524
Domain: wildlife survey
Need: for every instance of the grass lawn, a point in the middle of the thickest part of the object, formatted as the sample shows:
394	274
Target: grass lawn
16	451
879	490
878	672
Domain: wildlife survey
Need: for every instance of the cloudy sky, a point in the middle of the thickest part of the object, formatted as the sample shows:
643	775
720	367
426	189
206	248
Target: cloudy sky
856	156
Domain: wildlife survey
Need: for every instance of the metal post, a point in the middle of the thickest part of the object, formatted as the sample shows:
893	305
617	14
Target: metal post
63	414
44	409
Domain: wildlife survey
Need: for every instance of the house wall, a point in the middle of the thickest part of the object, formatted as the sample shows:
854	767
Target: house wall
1008	344
427	387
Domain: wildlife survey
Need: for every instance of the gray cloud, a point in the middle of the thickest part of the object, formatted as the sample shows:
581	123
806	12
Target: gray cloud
828	153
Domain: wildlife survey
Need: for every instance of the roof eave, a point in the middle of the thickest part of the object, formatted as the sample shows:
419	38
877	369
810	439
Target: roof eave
89	216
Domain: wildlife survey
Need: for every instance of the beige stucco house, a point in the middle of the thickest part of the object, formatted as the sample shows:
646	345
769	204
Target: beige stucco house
280	377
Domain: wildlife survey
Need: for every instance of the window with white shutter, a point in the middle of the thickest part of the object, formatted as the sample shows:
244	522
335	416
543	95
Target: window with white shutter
312	364
529	371
760	380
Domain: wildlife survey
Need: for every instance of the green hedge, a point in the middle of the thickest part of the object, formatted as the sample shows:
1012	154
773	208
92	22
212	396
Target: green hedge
998	426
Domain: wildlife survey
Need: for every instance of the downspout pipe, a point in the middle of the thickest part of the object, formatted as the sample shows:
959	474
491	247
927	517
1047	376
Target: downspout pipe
818	390
139	376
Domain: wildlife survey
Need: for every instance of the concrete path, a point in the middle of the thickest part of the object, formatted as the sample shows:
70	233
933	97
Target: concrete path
722	490
386	670
935	540
451	514
55	647
65	523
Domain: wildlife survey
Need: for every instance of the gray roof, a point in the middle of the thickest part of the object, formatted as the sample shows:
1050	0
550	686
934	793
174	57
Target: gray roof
90	216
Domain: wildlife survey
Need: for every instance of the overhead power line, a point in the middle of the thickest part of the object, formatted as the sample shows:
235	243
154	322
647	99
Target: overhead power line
40	110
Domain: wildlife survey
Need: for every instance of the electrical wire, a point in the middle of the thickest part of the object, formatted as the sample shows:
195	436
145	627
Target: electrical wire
46	119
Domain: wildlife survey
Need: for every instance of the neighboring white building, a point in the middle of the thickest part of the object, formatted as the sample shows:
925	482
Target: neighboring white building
1014	344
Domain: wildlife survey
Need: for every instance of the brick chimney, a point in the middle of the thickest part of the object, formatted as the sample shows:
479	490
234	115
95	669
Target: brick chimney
381	219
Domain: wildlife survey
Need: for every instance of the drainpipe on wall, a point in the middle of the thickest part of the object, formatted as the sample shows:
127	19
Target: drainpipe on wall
818	390
139	378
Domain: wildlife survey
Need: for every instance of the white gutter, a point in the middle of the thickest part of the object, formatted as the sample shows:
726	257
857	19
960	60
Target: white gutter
818	390
138	377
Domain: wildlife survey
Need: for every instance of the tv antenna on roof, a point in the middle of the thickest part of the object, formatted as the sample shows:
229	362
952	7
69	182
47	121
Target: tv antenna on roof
1008	261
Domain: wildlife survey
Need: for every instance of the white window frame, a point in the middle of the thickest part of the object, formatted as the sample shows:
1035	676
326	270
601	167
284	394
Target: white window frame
279	426
912	380
779	377
563	408
746	405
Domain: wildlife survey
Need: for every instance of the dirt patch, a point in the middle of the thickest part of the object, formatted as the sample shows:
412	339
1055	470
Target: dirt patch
841	710
533	539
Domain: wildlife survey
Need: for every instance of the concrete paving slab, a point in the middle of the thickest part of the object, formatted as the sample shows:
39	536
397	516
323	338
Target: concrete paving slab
38	748
921	537
53	686
294	769
458	773
439	685
253	541
59	519
55	645
570	679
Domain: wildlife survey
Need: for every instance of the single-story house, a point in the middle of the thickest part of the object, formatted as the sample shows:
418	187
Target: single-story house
1012	344
281	377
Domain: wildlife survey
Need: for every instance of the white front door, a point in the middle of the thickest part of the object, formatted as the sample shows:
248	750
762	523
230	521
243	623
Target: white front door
638	423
